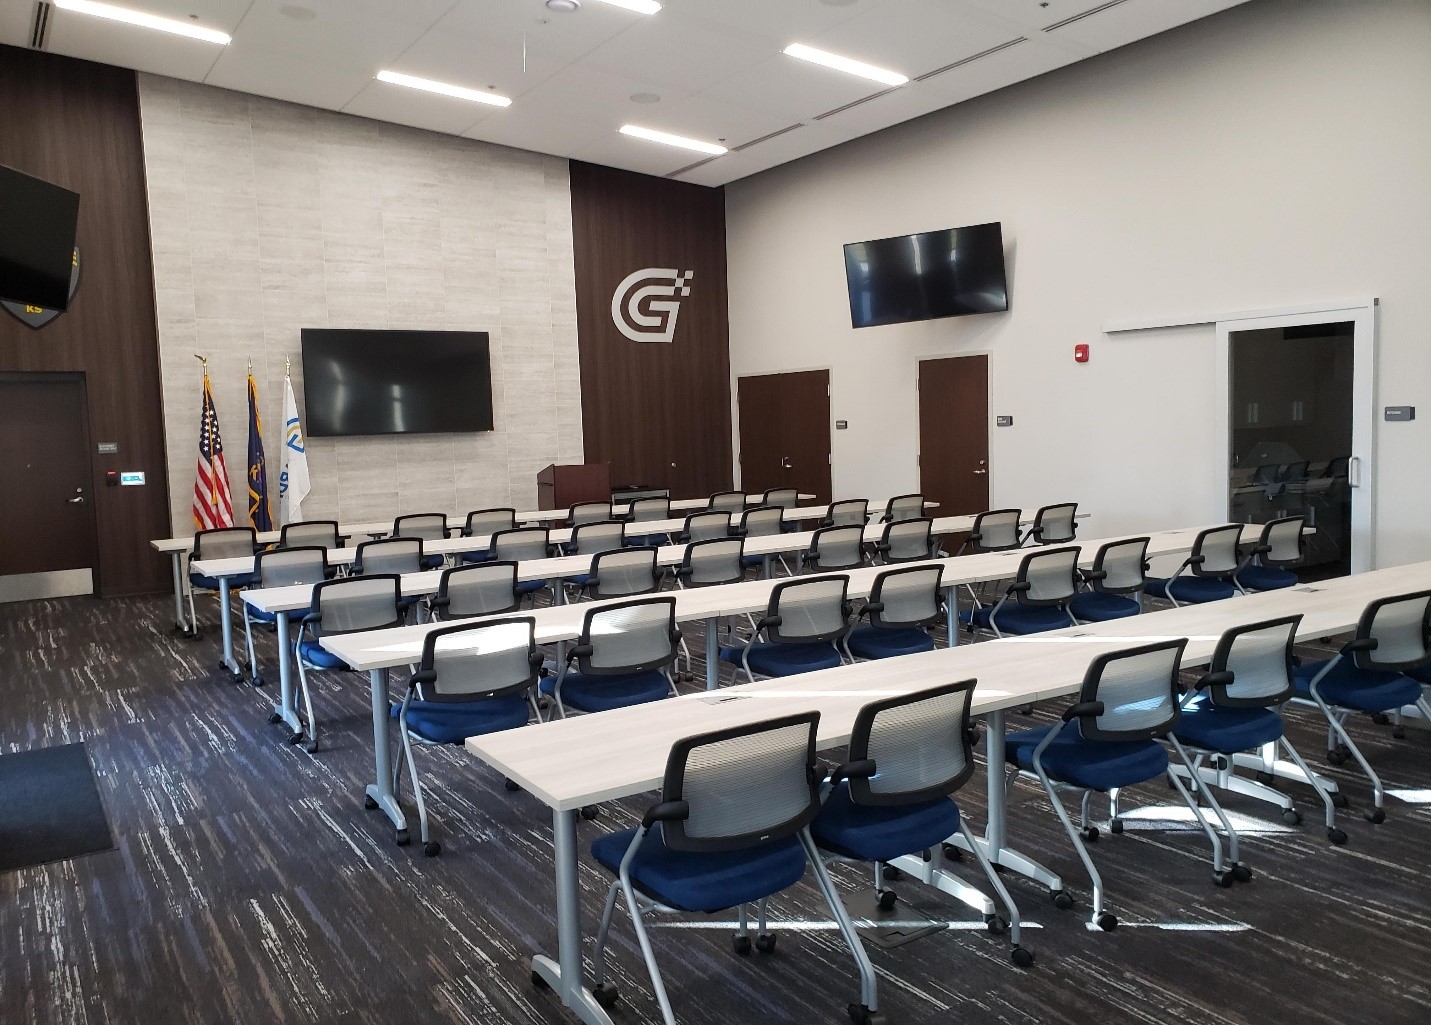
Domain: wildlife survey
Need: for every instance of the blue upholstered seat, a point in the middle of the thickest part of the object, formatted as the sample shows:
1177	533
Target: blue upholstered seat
1227	730
1018	619
1365	690
1190	590
879	642
1265	578
1091	764
432	562
882	832
705	881
591	693
260	616
203	583
1101	606
316	655
771	659
528	586
482	556
451	722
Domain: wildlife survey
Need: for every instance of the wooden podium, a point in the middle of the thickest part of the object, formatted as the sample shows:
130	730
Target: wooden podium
561	487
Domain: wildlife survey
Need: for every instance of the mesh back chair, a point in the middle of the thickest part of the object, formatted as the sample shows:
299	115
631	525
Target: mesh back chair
623	657
762	521
428	527
523	544
703	526
903	605
485	523
622	573
482	589
892	799
474	679
852	512
731	829
1113	588
389	555
220	543
1213	564
1037	600
996	530
281	567
1234	708
309	534
906	540
588	512
727	501
834	548
348	605
1109	740
781	498
1054	525
1372	674
645	510
1278	549
592	539
903	507
717	560
803	627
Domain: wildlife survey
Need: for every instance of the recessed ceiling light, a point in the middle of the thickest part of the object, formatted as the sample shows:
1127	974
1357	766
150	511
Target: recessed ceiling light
639	6
651	135
299	12
645	98
845	64
457	91
144	20
564	6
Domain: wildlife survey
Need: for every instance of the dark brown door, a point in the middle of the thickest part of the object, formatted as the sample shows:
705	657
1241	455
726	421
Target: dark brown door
954	434
785	433
47	514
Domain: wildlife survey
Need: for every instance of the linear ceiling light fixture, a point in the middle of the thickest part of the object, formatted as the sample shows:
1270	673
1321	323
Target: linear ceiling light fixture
651	135
845	64
145	20
639	6
442	88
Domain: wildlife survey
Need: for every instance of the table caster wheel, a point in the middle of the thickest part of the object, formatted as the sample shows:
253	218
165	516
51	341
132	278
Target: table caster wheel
741	945
996	925
1021	957
1107	922
402	837
275	719
765	943
1292	817
432	848
604	995
590	812
887	900
1375	816
511	785
1336	836
1062	899
369	802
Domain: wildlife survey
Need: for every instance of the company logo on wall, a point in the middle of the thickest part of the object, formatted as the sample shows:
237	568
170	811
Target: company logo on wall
38	316
647	302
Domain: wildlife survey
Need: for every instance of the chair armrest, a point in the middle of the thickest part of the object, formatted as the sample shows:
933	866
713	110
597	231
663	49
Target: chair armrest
1222	679
580	651
874	606
1195	560
1020	587
1359	644
768	621
666	811
439	601
1081	709
422	676
863	768
1097	574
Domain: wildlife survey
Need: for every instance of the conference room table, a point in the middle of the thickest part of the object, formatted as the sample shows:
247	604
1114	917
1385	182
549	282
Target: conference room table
568	764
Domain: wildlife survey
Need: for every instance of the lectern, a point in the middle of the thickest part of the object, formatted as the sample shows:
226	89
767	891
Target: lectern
561	487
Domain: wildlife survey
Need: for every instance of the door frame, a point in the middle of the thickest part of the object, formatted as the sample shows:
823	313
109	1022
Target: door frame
1361	467
736	478
988	355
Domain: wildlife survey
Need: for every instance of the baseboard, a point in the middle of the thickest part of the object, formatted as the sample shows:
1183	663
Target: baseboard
64	583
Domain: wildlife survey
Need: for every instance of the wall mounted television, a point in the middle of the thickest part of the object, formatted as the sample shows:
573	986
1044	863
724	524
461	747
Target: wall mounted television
37	240
396	382
934	274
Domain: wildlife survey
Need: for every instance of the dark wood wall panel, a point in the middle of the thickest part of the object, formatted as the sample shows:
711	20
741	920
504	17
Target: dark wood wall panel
658	413
77	124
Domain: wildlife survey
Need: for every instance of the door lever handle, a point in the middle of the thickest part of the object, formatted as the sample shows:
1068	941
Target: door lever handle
77	500
981	471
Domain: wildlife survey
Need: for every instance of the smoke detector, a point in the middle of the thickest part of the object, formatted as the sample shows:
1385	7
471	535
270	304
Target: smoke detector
564	6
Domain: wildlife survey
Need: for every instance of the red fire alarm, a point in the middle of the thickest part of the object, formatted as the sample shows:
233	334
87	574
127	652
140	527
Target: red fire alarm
1080	354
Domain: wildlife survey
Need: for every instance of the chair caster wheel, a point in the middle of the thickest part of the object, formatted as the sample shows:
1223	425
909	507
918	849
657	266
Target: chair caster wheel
1222	879
590	812
1381	718
1292	817
1339	800
1264	777
1241	874
402	837
1062	899
1106	922
1338	756
1021	957
893	874
295	738
765	943
1375	816
952	852
741	945
1116	826
604	995
1398	732
538	982
1089	833
275	719
1336	836
887	900
432	848
257	681
511	784
996	925
369	802
862	1015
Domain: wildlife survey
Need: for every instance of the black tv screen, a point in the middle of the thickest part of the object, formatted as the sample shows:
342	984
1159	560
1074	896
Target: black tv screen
922	277
37	240
396	382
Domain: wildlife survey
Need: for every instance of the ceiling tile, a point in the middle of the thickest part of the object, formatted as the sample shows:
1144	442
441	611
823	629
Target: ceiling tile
398	103
1026	60
616	150
128	46
705	117
782	21
689	53
801	142
913	36
794	89
253	69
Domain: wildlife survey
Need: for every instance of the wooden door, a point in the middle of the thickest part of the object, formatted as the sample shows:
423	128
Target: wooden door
785	432
47	518
954	434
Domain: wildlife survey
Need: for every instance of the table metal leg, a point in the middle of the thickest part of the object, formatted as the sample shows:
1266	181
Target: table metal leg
951	614
286	710
565	974
181	618
227	624
767	567
382	791
713	653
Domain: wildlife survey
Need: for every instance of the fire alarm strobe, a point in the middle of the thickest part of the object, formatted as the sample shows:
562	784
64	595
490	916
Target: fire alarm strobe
1080	354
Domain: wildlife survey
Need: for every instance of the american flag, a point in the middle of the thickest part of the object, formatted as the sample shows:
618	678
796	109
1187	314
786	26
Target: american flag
213	503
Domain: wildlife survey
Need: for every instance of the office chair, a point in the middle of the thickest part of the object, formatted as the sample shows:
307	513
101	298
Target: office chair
802	629
621	574
220	543
389	555
428	527
906	541
281	567
851	512
762	521
623	657
996	530
1113	588
717	560
731	829
835	548
589	512
592	539
904	605
310	533
645	510
893	798
485	523
903	507
473	679
1213	563
1268	566
478	589
1037	600
727	501
781	498
703	526
1054	525
522	544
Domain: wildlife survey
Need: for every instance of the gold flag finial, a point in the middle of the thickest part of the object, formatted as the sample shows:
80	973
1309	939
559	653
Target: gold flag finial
250	364
285	366
204	360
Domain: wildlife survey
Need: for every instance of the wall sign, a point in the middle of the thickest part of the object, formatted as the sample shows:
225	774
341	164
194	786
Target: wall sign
648	313
38	316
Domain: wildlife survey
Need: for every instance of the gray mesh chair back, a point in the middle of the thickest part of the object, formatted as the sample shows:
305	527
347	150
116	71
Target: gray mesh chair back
310	533
1214	553
1120	567
478	660
588	512
744	786
1281	542
389	555
906	540
718	560
703	526
852	512
355	603
628	637
521	544
647	509
1393	634
428	526
626	571
903	507
1047	577
762	521
283	567
808	610
477	589
1055	524
1131	694
486	522
836	548
1259	658
781	498
225	543
907	597
727	501
996	530
598	537
919	743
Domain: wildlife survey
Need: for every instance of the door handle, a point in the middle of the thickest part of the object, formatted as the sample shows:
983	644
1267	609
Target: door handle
77	500
1354	472
981	471
785	462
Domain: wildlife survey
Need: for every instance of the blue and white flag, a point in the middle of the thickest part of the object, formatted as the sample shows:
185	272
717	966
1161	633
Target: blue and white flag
293	485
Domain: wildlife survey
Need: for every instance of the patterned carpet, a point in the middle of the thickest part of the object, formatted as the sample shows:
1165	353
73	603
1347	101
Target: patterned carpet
249	884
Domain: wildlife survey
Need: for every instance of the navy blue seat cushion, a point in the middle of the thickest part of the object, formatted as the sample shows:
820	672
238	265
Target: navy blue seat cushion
1365	690
882	832
704	882
1265	578
316	655
1423	674
482	556
600	693
1091	764
1018	619
649	540
431	561
1100	606
451	722
882	642
528	586
771	659
1190	590
1227	730
202	583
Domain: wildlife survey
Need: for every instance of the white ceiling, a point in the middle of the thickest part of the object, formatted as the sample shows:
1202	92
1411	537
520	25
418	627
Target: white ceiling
716	65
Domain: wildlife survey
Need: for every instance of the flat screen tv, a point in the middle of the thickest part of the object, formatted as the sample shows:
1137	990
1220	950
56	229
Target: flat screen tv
37	240
396	382
926	276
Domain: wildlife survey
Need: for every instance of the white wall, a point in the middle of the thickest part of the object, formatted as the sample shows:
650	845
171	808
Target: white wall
1271	155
